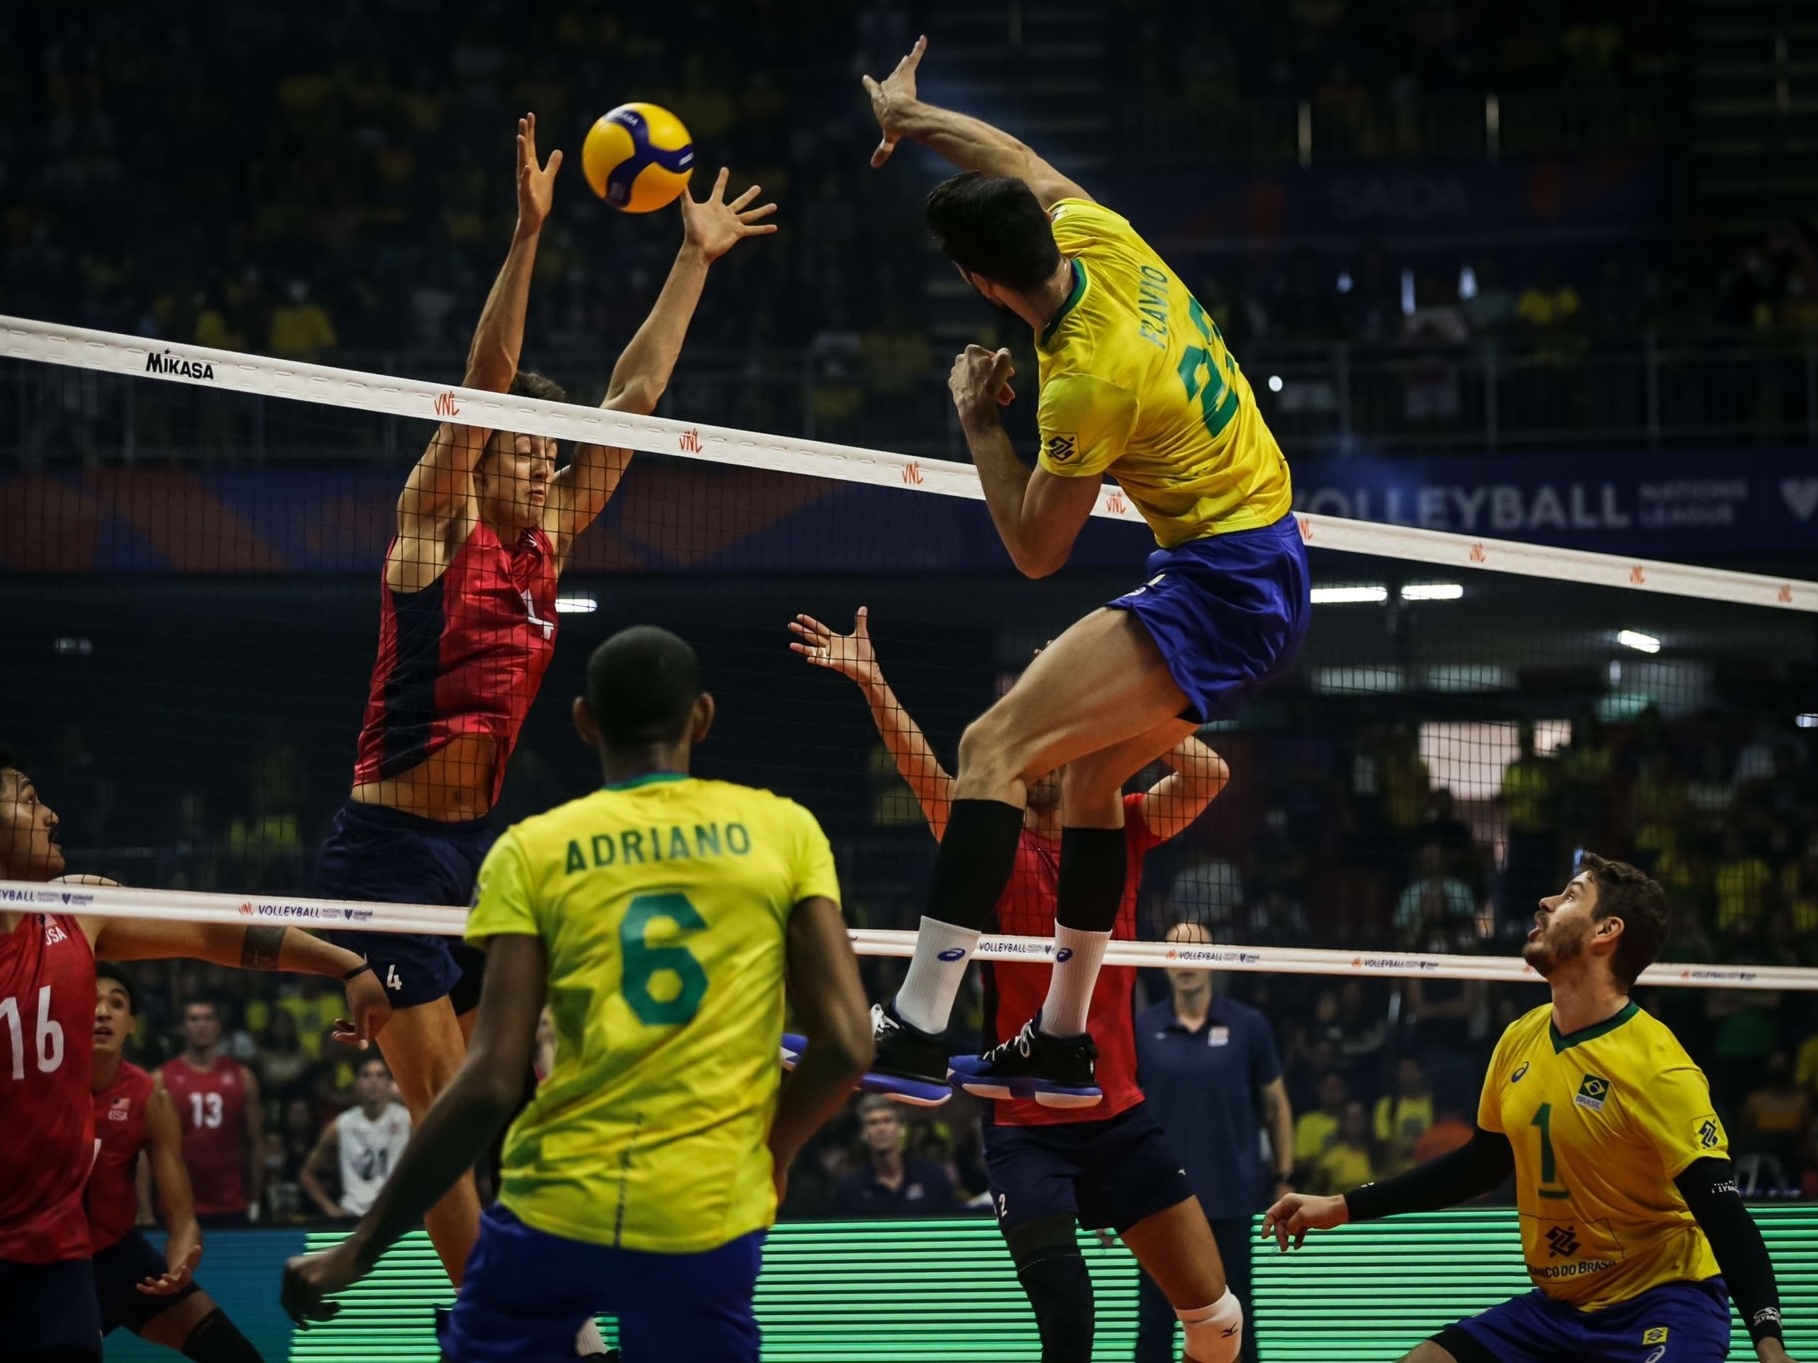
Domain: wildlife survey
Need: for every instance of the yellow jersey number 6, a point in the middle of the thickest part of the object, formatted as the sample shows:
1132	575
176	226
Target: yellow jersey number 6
643	962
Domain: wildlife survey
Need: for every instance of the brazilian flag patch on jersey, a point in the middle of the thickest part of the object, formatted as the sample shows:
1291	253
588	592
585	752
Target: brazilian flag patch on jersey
1657	1335
1591	1092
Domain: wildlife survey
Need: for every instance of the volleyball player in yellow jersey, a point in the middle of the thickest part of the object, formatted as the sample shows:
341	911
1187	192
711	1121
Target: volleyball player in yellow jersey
660	917
1136	383
1629	1210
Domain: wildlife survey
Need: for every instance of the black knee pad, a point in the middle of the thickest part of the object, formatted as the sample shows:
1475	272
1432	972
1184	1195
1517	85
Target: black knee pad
1059	1286
216	1339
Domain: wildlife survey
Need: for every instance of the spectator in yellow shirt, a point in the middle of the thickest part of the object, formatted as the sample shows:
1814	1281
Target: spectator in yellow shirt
1347	1163
1403	1117
300	327
1317	1131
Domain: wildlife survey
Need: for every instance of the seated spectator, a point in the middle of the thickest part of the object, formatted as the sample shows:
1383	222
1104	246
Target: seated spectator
1775	1118
1453	1129
1744	882
300	326
281	1062
1346	1163
888	1184
1208	890
1403	1117
363	1144
1436	903
1316	1132
1799	899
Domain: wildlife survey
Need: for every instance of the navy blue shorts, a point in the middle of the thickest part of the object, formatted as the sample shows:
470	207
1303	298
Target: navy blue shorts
527	1293
119	1269
390	857
1108	1173
1228	612
1672	1323
48	1306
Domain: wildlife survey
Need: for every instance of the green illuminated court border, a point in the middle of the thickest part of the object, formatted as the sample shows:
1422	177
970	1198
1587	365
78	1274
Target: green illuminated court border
944	1291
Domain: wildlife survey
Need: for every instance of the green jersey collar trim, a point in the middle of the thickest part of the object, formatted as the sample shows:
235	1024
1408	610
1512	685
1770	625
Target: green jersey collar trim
1562	1042
1079	290
650	779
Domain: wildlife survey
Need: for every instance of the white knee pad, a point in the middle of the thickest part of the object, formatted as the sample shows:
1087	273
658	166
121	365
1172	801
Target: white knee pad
1215	1333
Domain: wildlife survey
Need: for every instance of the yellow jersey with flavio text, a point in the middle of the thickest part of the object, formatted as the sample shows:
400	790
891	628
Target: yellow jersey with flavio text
1136	382
1602	1121
663	905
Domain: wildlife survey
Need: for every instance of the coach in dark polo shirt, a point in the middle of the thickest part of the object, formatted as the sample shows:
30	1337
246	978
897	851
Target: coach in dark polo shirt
1209	1070
889	1183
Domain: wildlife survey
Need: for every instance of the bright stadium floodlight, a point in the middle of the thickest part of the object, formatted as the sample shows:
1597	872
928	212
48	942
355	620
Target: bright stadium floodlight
1275	383
1368	594
1806	721
1641	643
576	605
1432	591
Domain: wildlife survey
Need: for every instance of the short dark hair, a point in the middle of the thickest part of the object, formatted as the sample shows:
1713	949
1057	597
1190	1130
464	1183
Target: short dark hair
529	384
641	685
379	1060
114	975
1625	892
209	1004
993	226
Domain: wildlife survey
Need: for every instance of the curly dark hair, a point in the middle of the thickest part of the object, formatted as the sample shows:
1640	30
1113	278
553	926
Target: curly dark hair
1628	893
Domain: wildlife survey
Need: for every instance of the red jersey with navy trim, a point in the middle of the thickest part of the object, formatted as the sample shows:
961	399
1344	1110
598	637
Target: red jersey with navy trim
47	1129
211	1107
1014	992
113	1186
464	655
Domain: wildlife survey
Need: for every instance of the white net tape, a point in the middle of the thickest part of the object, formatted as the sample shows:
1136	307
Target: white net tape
230	371
194	907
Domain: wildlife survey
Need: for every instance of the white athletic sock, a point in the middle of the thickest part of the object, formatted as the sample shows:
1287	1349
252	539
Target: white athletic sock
1076	958
942	952
589	1344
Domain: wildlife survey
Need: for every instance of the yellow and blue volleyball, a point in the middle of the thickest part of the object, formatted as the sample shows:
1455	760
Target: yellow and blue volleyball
638	157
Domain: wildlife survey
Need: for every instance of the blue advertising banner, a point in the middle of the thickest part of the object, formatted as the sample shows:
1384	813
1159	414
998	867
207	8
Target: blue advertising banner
1663	504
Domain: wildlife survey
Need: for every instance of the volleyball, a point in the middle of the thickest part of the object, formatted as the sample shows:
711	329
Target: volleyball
638	157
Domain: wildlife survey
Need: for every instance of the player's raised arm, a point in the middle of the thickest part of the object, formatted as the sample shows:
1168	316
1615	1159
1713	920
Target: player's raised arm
441	484
710	227
851	655
454	1133
262	946
1038	514
1195	777
970	143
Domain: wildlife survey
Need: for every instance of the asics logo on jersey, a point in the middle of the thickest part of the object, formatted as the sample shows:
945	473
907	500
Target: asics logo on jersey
1520	1071
1656	1356
1562	1242
1061	448
1591	1092
952	954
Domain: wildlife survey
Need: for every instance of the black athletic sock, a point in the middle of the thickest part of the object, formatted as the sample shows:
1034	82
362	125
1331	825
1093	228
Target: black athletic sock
216	1339
977	855
1093	865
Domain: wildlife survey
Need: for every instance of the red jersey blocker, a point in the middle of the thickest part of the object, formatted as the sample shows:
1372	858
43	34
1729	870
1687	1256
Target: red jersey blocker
113	1190
463	655
47	1137
1106	1166
211	1105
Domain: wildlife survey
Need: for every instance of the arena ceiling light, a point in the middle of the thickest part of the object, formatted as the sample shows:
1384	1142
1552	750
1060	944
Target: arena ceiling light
1641	643
576	605
1368	594
1806	721
1432	591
